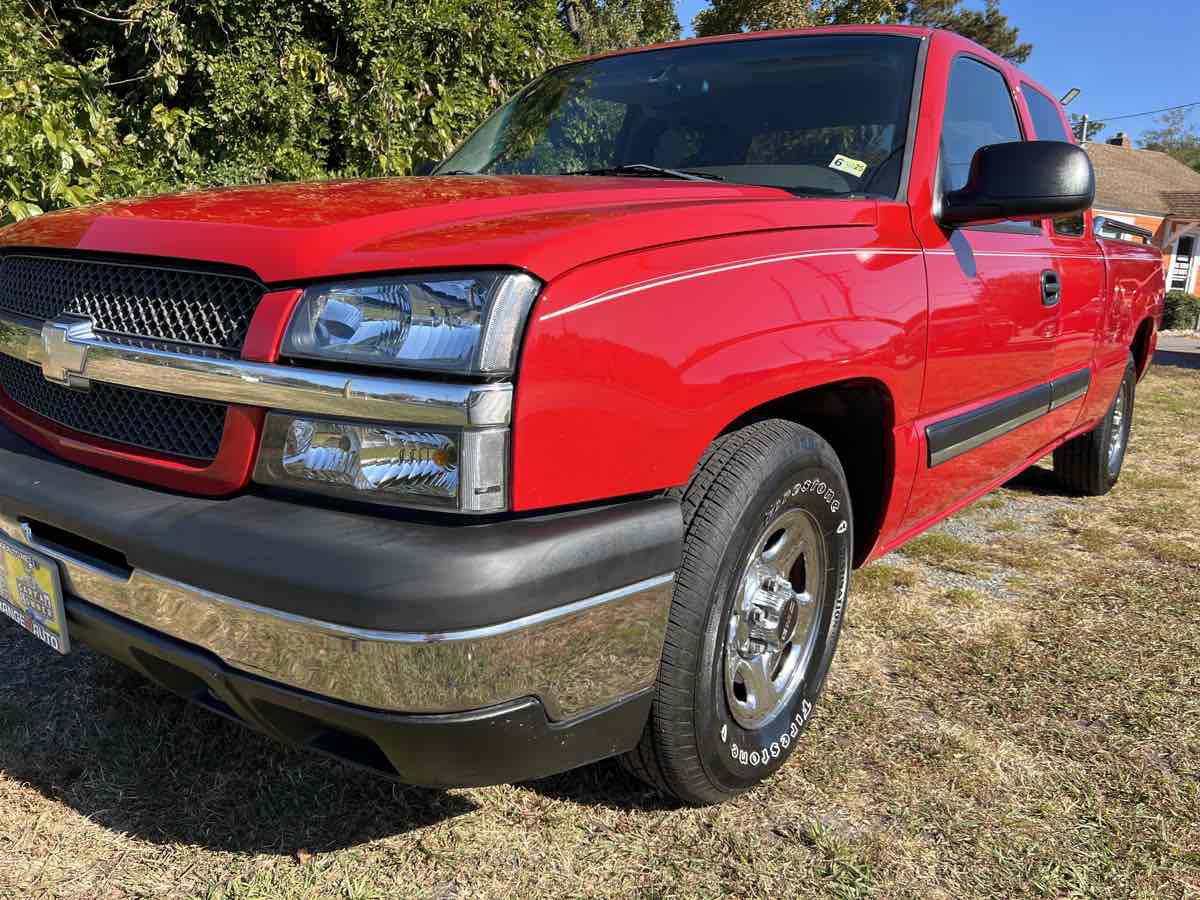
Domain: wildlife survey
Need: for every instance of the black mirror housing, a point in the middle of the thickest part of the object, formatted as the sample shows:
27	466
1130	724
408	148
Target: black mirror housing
1022	180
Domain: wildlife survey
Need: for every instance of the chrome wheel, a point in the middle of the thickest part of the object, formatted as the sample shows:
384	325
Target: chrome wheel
1116	440
776	614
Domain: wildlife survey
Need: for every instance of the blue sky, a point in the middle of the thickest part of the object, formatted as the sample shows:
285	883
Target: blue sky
1126	58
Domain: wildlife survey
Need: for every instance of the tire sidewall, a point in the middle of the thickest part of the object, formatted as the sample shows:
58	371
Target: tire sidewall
1126	387
733	757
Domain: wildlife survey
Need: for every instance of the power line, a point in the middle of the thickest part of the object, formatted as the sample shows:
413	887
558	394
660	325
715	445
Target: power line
1149	113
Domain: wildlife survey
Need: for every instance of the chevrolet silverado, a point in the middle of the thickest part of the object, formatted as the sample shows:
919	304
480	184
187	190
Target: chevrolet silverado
566	450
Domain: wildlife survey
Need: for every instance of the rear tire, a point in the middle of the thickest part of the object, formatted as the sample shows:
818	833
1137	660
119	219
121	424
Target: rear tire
757	610
1090	464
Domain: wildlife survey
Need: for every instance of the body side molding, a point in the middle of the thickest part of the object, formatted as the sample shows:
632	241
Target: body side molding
960	433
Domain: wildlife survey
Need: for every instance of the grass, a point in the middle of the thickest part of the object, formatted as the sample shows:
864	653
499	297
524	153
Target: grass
882	578
957	596
992	728
945	551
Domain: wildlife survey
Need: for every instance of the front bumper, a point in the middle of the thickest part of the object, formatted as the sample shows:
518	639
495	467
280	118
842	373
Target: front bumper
513	741
393	616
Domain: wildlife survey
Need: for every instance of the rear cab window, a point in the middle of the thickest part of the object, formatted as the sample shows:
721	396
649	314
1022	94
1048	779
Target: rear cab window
1048	126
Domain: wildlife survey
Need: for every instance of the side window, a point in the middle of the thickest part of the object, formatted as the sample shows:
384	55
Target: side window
1047	123
1048	126
979	111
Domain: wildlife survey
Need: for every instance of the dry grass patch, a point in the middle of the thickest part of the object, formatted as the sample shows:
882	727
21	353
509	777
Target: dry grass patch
962	597
945	551
882	578
990	729
990	502
1168	550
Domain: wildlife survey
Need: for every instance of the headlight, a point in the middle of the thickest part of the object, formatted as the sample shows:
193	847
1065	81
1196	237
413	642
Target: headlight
400	465
467	323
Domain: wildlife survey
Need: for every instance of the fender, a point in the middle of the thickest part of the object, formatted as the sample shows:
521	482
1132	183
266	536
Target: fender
632	365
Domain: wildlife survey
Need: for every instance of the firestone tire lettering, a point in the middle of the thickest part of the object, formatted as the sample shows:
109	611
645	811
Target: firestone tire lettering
797	722
810	486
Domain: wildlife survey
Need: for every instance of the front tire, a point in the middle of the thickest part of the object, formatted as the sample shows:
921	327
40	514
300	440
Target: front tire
1090	464
758	606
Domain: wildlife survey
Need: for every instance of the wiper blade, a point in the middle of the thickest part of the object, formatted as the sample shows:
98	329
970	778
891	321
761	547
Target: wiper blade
650	170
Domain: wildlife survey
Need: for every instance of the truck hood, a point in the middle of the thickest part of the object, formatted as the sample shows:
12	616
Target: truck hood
288	233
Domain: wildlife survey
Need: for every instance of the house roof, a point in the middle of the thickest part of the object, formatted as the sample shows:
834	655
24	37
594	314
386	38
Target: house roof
1184	204
1145	181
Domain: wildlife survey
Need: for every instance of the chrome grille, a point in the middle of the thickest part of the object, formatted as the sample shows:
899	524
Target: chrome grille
178	426
205	309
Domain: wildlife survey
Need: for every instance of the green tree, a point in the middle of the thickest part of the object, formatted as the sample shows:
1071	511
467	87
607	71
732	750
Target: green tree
60	138
1095	128
115	97
1175	136
988	27
601	25
730	16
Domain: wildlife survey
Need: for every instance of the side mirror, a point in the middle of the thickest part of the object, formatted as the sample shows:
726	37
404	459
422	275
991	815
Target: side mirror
1022	180
425	168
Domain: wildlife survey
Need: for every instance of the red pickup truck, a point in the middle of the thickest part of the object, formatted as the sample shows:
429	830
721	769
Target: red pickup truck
566	451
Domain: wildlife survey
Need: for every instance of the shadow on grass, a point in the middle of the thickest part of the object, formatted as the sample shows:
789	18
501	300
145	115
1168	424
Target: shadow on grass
131	757
1036	480
603	784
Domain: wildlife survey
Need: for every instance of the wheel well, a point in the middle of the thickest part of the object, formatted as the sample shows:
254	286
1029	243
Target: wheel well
1141	346
856	418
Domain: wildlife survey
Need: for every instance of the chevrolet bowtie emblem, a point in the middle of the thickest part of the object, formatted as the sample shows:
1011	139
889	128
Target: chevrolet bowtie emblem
64	354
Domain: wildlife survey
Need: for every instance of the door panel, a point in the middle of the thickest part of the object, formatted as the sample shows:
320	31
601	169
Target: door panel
991	331
991	346
1080	267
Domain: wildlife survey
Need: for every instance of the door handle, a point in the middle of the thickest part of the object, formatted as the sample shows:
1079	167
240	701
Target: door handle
1051	288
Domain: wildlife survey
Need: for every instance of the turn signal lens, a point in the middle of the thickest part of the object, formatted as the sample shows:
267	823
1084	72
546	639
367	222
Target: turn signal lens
385	464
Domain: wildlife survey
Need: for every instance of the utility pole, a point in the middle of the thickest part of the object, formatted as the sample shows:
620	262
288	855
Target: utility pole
1085	129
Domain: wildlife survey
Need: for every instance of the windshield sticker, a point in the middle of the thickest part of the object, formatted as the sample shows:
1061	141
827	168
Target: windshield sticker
850	166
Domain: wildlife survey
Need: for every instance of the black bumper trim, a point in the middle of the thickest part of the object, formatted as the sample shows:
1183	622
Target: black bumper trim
348	567
501	744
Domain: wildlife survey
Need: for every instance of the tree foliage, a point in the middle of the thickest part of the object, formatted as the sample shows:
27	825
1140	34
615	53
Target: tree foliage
116	97
988	27
1182	311
602	25
1175	136
1095	128
729	16
60	140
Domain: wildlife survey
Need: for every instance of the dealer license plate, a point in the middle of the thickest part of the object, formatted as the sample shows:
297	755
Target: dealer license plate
31	594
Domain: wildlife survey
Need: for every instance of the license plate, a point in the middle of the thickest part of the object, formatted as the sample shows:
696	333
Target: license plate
31	594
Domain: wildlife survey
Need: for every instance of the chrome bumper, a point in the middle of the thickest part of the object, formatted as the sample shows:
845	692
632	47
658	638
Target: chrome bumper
574	658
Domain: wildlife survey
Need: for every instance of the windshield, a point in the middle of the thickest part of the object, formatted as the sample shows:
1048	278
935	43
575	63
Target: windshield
825	115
